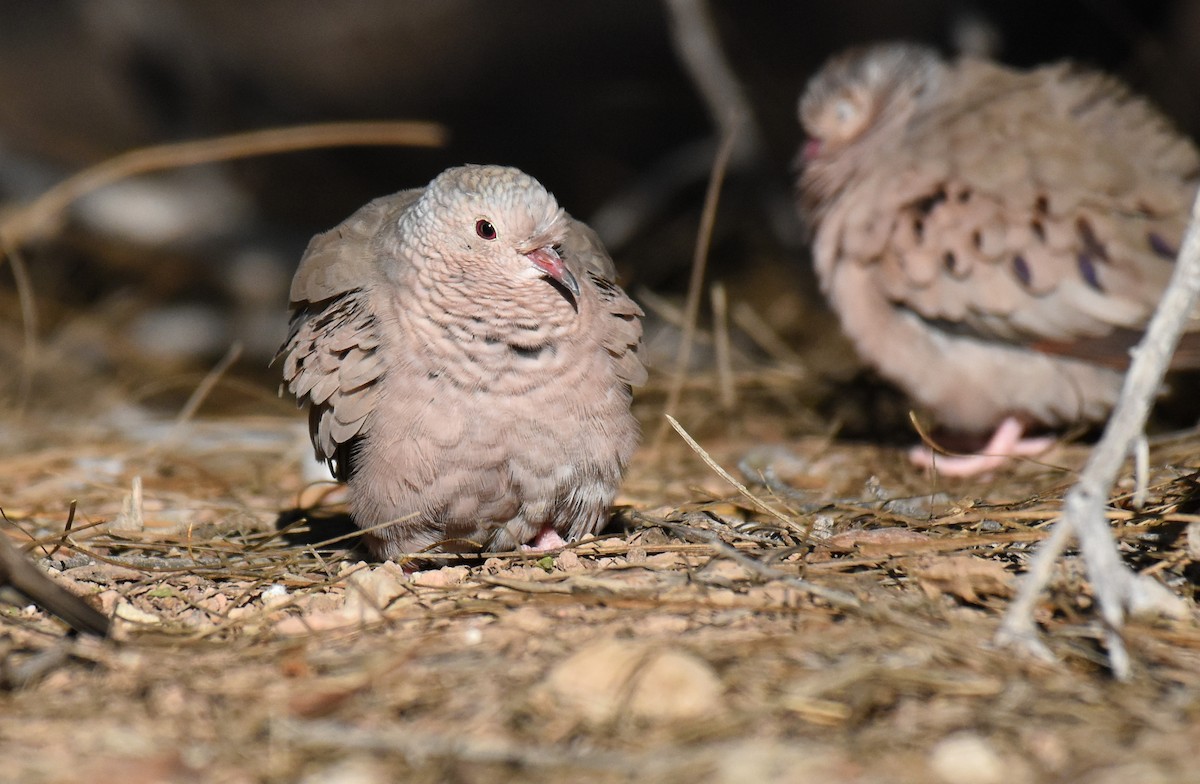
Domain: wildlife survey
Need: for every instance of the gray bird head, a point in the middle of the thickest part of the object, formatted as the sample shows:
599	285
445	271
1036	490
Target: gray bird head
496	222
864	90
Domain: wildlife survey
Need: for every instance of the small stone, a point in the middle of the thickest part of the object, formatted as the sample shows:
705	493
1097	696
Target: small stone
127	612
613	678
967	758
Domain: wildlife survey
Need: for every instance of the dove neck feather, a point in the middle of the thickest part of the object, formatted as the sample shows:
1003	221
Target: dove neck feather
479	328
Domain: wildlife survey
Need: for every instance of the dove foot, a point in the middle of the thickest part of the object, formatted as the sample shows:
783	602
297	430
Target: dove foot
547	539
1005	443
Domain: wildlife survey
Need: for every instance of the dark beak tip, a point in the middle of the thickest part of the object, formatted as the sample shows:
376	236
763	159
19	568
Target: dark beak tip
570	282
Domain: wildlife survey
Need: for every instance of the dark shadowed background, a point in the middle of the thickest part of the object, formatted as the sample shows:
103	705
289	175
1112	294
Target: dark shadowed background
169	271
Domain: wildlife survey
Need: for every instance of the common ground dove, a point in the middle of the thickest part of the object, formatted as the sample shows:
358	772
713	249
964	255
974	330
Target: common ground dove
992	240
467	360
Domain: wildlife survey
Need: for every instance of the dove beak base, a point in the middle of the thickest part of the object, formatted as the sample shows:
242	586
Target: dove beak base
549	262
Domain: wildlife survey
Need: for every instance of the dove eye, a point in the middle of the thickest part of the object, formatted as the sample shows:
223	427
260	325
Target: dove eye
845	111
485	229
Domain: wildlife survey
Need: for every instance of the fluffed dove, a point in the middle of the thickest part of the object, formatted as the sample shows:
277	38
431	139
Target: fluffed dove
992	240
467	360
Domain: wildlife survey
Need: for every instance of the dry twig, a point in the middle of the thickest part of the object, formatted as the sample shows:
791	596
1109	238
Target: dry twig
698	47
42	216
20	573
39	217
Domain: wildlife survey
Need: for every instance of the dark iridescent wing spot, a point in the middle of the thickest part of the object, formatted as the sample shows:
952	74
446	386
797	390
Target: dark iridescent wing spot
1021	270
1091	243
1087	270
1161	247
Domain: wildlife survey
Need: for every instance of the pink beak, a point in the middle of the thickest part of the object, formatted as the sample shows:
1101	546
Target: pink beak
549	262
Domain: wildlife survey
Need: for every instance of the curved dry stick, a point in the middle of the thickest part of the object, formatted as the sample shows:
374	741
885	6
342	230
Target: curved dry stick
39	216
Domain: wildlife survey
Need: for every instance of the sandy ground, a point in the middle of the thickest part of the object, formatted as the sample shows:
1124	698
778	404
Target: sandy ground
834	625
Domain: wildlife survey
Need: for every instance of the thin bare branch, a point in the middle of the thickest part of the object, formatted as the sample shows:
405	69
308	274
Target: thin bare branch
698	47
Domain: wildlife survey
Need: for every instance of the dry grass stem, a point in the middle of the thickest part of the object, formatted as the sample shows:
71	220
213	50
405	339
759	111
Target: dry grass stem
727	387
696	282
721	472
29	319
757	329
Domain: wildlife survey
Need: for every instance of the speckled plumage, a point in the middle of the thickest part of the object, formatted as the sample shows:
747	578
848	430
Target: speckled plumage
459	389
992	240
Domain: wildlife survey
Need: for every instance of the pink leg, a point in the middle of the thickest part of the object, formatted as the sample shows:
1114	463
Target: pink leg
1006	442
546	539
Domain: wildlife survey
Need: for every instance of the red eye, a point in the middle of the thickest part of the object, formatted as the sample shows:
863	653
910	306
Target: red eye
485	229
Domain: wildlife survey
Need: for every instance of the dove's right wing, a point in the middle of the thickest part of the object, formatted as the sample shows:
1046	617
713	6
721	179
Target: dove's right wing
620	329
332	359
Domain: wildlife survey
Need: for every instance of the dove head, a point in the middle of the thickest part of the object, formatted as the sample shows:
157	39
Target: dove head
495	226
865	93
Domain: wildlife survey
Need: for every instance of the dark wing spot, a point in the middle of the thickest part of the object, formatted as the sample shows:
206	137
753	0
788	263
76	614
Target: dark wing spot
1091	243
949	261
342	463
1021	270
1087	269
531	352
964	196
926	204
977	239
1042	205
1161	247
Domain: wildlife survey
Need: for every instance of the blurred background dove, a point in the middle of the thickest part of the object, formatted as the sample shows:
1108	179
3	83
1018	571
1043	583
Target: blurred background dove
993	240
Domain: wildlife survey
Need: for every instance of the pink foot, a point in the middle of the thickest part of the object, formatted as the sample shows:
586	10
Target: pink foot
546	539
1006	442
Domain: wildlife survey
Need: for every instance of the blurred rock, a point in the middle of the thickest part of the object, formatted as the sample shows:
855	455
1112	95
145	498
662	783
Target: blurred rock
614	678
967	758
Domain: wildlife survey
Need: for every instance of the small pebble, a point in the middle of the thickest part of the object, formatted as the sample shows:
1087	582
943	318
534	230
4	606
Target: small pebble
967	758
